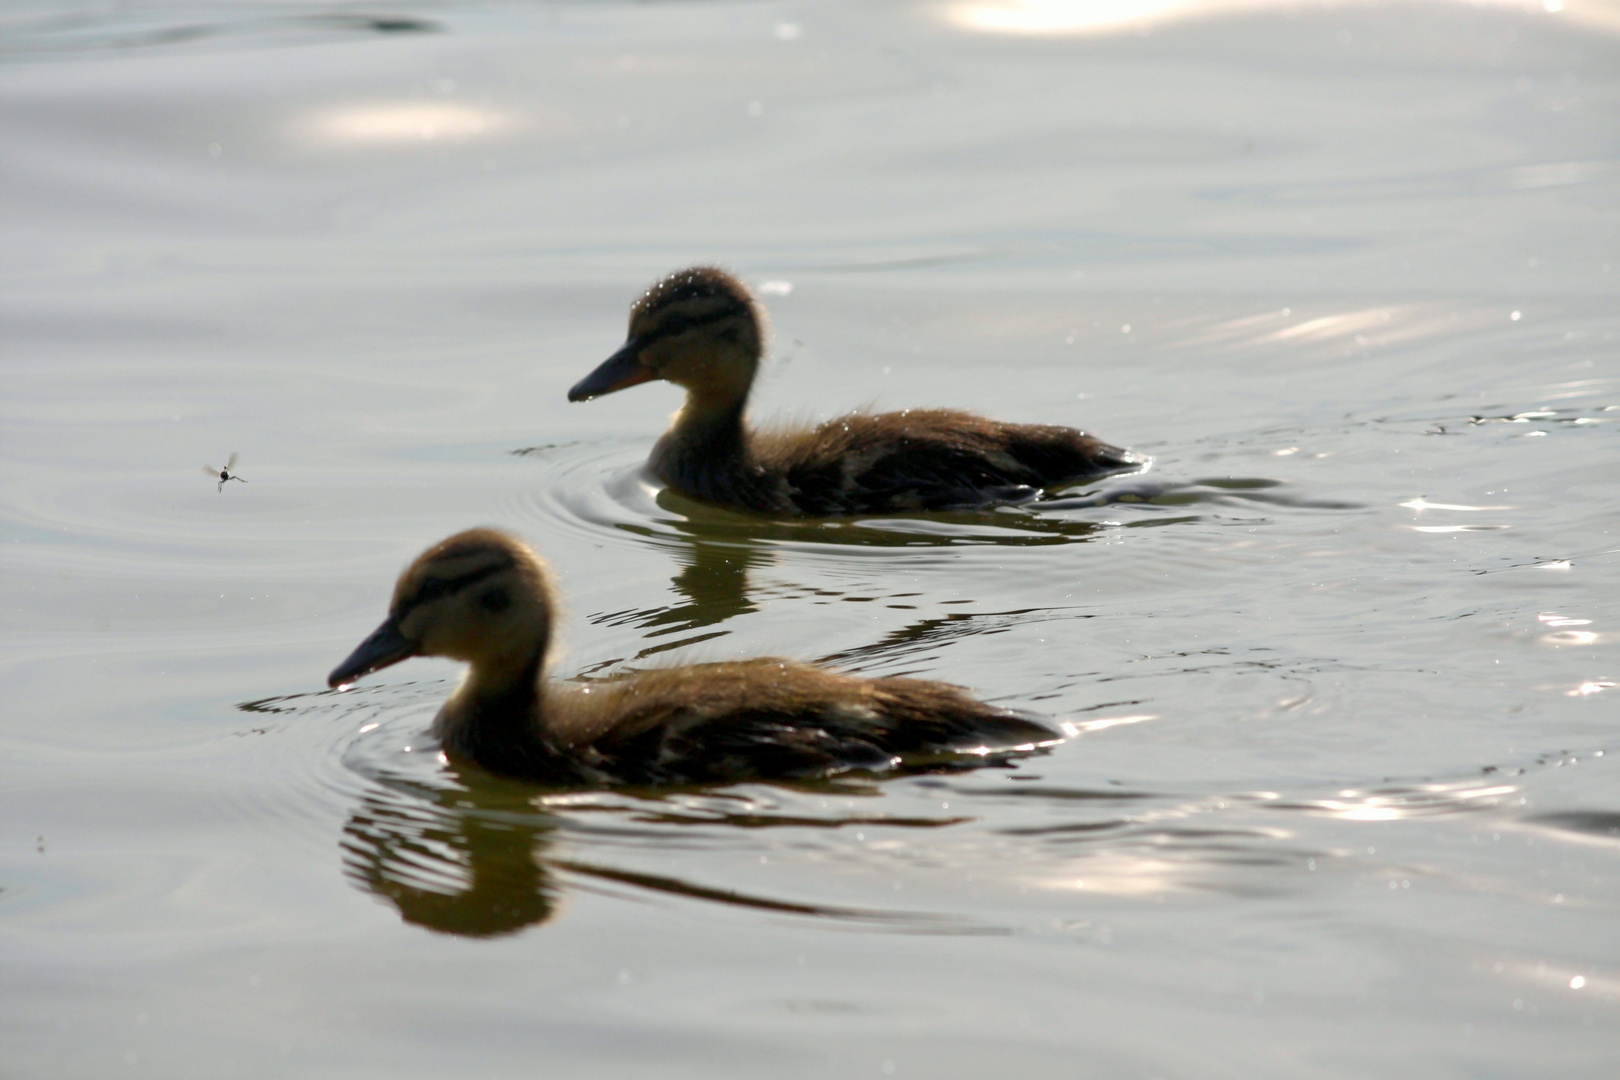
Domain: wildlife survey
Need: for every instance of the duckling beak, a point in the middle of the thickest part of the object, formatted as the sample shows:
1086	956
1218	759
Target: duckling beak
624	368
385	646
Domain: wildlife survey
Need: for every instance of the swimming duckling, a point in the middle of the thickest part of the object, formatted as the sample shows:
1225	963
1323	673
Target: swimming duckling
703	330
483	597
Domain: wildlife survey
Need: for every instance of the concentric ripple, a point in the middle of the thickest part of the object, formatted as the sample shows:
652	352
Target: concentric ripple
605	490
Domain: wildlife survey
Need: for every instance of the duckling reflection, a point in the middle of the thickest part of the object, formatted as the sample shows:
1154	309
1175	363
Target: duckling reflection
717	552
703	330
473	859
483	597
459	860
712	582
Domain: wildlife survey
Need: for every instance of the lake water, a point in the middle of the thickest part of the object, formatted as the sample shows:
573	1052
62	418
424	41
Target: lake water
1344	801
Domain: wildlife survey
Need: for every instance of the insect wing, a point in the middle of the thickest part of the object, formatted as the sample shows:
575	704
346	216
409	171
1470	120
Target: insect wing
230	462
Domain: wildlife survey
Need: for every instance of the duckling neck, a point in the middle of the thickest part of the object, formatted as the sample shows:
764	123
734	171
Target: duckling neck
705	453
711	420
497	719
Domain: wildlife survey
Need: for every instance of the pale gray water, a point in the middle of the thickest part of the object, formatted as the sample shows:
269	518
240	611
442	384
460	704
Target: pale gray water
1345	801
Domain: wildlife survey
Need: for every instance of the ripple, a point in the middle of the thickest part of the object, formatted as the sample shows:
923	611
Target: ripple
460	852
604	490
369	734
1397	802
465	853
599	492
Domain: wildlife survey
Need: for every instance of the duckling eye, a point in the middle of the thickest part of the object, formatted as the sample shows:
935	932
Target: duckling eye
495	600
431	589
675	324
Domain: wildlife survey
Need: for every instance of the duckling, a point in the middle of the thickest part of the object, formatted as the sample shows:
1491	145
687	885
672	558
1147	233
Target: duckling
703	330
484	597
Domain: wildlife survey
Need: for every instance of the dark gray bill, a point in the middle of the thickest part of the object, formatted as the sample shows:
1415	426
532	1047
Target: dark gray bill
385	646
624	368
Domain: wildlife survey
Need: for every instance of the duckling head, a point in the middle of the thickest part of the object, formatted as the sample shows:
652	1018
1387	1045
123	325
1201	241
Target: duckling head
481	596
699	328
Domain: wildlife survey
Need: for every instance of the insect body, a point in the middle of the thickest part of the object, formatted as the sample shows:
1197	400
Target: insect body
224	474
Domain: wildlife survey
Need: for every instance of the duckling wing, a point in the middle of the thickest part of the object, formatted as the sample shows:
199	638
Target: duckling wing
775	719
933	459
1056	453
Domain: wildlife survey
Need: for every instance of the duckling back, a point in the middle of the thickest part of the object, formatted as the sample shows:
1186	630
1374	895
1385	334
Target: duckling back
928	459
775	719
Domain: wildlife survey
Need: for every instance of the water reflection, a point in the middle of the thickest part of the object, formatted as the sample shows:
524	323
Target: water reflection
712	579
460	860
473	858
716	550
1019	525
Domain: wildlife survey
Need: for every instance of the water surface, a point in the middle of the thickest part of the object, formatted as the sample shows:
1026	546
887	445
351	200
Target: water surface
1342	662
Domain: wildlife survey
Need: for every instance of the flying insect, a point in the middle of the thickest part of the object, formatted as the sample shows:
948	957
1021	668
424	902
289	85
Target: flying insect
225	474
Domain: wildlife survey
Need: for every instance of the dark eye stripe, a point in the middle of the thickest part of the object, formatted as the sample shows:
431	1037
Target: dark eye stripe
434	588
679	324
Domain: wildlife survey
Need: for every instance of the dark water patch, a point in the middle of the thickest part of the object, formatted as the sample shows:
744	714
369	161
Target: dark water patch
777	821
1272	661
59	36
1516	421
830	803
1544	562
543	449
923	634
1602	824
1212	491
910	922
1061	794
1070	828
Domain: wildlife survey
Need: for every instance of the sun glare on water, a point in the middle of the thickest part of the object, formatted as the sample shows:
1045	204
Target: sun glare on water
402	122
1054	17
